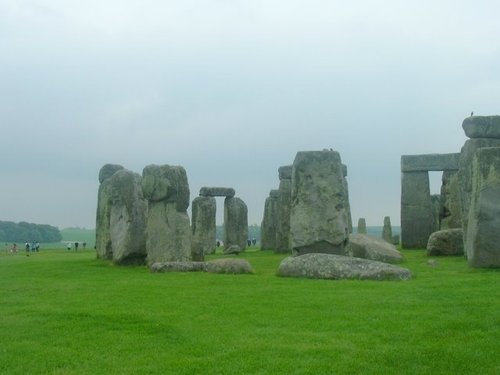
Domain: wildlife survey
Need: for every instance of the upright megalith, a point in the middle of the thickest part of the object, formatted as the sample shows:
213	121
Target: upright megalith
103	214
319	217
361	225
269	221
387	230
203	226
450	216
128	216
235	223
482	244
284	206
168	231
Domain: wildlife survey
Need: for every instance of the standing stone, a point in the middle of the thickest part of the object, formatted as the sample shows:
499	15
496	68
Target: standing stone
168	231
203	226
319	218
103	214
387	230
417	217
128	216
436	210
284	206
465	175
483	238
235	223
269	222
450	216
348	205
361	225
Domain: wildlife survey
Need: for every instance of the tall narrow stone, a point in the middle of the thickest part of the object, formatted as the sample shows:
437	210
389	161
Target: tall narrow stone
103	214
235	223
168	231
450	216
203	226
387	230
269	222
284	206
417	218
127	218
361	225
483	238
319	217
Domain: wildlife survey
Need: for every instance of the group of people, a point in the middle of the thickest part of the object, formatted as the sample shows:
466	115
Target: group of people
31	247
76	244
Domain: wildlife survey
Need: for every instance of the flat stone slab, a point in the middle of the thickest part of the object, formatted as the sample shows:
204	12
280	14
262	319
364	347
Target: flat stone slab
217	192
230	266
373	248
482	126
336	267
430	162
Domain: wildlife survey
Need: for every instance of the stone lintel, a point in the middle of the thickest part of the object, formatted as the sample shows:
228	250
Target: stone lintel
217	192
430	162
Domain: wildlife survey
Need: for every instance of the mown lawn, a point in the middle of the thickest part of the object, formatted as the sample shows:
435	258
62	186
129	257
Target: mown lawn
64	312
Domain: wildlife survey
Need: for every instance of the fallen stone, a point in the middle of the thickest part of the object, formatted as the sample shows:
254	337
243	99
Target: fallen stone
233	249
331	266
373	248
234	266
177	266
446	242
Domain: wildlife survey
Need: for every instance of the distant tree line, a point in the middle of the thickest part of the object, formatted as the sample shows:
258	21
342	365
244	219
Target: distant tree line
21	232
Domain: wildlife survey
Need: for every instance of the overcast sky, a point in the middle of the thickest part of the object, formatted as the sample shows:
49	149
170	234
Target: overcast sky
231	90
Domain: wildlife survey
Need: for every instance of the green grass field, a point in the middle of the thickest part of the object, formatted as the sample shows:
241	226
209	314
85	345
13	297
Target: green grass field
64	312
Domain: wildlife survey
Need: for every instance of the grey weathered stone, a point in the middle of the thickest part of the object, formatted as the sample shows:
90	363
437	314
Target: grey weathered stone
482	126
283	220
319	217
274	193
232	266
330	266
387	230
417	215
168	231
235	223
430	162
102	226
450	215
482	244
217	192
368	247
186	266
203	212
446	242
166	183
347	202
362	225
465	175
127	218
233	249
107	171
285	172
436	210
269	222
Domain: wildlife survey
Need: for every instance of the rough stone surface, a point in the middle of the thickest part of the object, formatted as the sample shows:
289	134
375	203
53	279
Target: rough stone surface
233	249
269	222
330	266
217	192
275	193
285	172
283	219
430	162
417	213
235	223
436	210
319	217
107	171
387	230
450	215
168	230
127	218
203	212
369	247
482	244
233	266
446	242
166	183
362	225
177	266
482	127
465	175
103	216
